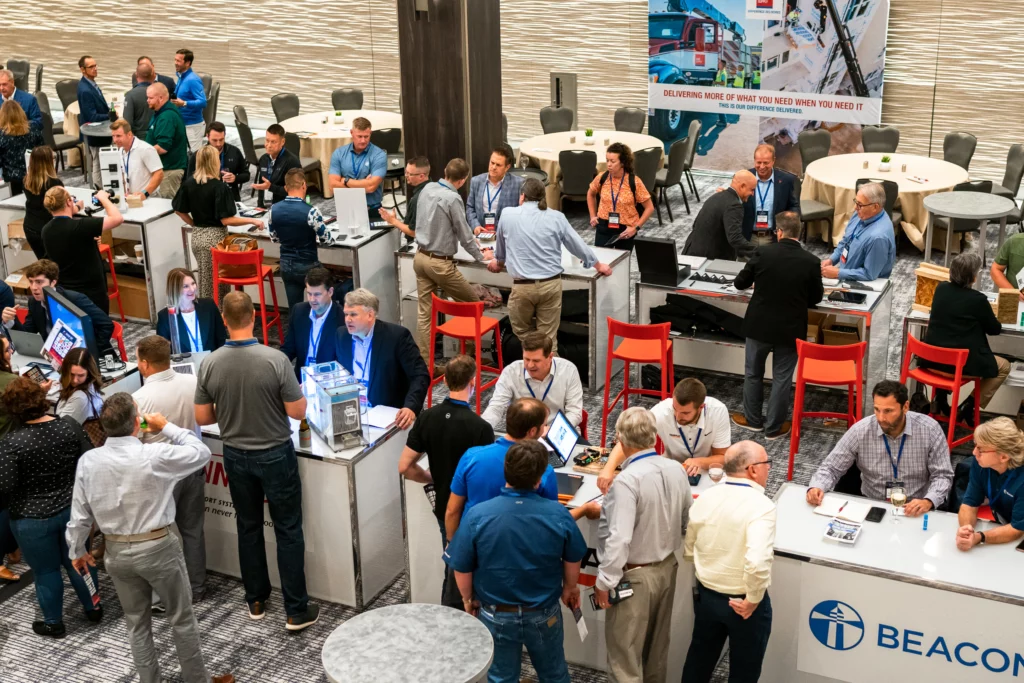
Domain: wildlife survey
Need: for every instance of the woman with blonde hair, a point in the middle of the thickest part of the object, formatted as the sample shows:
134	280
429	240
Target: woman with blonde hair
17	136
198	321
41	176
206	203
997	479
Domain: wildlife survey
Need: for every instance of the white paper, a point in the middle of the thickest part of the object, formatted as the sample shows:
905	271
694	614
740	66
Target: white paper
852	511
581	625
381	417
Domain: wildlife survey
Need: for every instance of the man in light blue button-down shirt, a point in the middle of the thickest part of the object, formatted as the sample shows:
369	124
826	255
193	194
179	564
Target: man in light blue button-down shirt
529	244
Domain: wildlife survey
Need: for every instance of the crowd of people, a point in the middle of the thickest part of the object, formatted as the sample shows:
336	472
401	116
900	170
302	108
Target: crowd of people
70	466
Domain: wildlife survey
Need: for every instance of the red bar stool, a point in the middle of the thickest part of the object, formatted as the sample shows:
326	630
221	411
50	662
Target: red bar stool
465	321
955	357
831	366
118	336
640	344
253	259
114	293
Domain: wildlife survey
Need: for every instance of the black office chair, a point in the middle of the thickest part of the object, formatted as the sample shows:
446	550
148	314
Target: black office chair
309	164
390	140
578	169
347	98
285	105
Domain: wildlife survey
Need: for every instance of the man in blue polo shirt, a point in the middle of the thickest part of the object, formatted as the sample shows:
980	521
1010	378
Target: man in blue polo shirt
190	97
513	557
868	248
361	164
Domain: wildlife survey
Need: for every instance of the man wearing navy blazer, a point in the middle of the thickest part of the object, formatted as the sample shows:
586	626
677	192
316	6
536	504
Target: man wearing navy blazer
492	192
92	107
313	324
8	91
776	191
384	356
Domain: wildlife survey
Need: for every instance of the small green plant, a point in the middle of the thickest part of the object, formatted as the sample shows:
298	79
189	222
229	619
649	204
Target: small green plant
886	159
589	132
338	113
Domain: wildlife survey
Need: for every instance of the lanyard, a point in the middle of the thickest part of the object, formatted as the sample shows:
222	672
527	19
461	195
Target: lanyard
194	339
645	455
761	197
1007	485
490	199
899	455
127	164
615	194
315	342
550	382
357	160
362	372
733	483
687	443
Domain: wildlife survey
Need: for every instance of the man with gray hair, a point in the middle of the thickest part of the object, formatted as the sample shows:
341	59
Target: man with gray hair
731	541
383	356
8	91
867	250
641	527
126	488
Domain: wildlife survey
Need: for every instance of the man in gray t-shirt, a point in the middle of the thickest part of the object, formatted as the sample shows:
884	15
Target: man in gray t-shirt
250	391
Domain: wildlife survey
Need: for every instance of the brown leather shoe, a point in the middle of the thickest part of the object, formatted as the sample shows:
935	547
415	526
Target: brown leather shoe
224	678
15	557
740	420
782	431
7	575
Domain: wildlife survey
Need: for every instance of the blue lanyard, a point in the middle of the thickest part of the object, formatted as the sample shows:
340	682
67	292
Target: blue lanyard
733	483
127	164
192	338
761	197
1007	485
241	342
687	443
357	160
490	199
645	455
899	456
316	342
550	382
615	193
362	371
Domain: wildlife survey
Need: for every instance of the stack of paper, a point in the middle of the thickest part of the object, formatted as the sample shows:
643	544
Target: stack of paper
842	508
843	532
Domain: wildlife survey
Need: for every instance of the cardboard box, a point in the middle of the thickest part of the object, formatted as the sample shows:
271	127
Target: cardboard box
840	337
134	297
816	320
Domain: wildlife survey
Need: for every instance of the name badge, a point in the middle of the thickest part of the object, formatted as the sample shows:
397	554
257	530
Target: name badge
890	485
761	220
1020	279
613	220
846	252
490	219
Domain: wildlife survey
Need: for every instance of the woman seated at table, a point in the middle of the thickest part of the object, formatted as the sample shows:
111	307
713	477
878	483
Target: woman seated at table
80	385
17	136
997	479
961	318
205	202
612	203
41	177
200	327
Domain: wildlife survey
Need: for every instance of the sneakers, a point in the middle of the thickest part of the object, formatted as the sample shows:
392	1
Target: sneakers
782	431
257	610
95	615
53	630
304	620
740	420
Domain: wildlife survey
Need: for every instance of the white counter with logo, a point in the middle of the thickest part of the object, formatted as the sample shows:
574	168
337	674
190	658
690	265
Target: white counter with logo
351	516
902	603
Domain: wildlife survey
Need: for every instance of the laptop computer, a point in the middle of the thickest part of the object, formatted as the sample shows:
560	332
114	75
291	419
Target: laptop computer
27	343
561	439
656	259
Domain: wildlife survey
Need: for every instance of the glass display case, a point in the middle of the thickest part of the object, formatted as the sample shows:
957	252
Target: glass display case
333	405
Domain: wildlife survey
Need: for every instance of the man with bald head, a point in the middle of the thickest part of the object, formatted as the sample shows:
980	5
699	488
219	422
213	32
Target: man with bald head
718	228
136	109
730	539
167	135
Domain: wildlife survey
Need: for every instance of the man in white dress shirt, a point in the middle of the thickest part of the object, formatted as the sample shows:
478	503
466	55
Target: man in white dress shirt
172	394
730	540
539	375
143	169
126	488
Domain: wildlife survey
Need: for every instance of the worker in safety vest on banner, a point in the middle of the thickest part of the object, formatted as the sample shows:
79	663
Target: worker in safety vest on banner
722	79
739	80
755	80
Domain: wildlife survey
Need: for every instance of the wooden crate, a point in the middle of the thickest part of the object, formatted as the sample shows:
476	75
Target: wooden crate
929	276
1006	306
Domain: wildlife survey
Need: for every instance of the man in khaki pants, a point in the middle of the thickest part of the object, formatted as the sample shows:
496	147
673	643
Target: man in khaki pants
440	227
642	524
529	243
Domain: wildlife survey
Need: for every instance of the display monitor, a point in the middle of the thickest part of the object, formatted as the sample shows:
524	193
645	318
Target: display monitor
72	327
562	437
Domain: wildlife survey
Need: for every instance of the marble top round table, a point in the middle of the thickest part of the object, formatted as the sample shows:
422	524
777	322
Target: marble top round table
978	206
319	140
97	129
409	643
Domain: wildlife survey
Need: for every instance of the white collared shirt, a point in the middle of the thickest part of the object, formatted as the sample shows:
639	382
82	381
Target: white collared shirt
712	430
172	394
731	538
316	332
140	162
565	394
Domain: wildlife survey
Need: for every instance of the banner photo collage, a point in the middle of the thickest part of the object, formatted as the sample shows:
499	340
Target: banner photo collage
753	71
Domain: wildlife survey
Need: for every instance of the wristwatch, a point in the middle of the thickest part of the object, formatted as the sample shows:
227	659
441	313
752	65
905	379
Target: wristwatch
146	193
982	541
346	182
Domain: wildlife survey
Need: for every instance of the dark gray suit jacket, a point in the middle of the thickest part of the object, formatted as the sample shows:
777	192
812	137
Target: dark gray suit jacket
718	229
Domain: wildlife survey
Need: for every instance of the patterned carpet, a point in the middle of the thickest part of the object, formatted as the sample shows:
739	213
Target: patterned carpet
262	651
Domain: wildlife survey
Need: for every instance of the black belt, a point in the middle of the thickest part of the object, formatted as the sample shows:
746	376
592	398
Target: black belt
440	257
516	608
724	595
533	282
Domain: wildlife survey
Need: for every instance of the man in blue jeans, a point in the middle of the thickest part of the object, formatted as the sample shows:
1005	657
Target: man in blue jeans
249	390
513	557
298	227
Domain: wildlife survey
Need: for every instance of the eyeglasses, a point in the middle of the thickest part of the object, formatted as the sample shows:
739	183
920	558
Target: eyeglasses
979	449
763	462
863	206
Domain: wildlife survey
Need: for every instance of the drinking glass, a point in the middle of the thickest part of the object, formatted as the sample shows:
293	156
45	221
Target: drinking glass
898	500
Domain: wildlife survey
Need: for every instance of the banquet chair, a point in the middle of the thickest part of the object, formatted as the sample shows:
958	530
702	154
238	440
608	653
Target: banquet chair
814	145
630	119
242	117
39	77
347	98
20	68
285	105
958	148
1013	174
645	165
309	164
880	139
67	92
210	110
672	176
578	170
556	119
692	136
504	128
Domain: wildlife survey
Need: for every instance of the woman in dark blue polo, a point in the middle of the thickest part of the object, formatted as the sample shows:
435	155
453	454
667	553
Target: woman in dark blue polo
997	478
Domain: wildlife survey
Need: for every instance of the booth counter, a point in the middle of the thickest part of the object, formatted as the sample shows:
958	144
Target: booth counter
351	516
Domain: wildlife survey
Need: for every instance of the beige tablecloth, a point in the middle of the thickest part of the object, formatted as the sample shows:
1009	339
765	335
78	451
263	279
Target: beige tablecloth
324	138
544	150
832	180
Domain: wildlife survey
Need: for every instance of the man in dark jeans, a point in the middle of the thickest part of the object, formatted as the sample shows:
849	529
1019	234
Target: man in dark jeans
298	227
444	432
249	390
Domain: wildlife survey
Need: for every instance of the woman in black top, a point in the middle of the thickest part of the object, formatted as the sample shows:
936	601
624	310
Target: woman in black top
8	544
198	320
37	471
962	318
41	177
205	202
17	136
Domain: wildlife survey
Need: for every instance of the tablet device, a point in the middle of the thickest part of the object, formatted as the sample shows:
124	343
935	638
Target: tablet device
35	374
847	297
562	437
568	484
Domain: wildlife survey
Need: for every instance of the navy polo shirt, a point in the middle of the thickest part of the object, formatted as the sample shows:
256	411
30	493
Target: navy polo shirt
480	475
1007	489
515	546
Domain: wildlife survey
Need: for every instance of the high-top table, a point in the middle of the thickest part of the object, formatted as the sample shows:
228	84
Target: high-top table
70	125
979	206
319	135
400	643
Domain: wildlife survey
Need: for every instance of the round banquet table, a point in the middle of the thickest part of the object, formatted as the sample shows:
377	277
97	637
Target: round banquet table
832	180
544	149
409	642
324	138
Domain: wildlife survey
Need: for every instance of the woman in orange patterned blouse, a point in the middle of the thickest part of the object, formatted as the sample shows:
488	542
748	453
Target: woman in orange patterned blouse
613	206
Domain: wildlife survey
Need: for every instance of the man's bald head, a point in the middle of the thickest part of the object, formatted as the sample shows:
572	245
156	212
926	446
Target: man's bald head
157	96
744	183
748	460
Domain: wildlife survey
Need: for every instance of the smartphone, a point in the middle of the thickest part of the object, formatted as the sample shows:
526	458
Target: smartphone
848	297
1020	548
593	600
35	374
875	514
694	480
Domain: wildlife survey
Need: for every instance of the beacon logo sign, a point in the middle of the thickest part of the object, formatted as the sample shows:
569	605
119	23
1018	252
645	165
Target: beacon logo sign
836	625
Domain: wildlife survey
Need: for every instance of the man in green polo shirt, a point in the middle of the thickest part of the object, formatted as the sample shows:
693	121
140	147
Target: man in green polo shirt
1006	269
167	135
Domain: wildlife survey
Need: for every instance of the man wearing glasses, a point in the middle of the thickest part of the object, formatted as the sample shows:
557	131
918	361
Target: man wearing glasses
868	248
730	539
417	174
